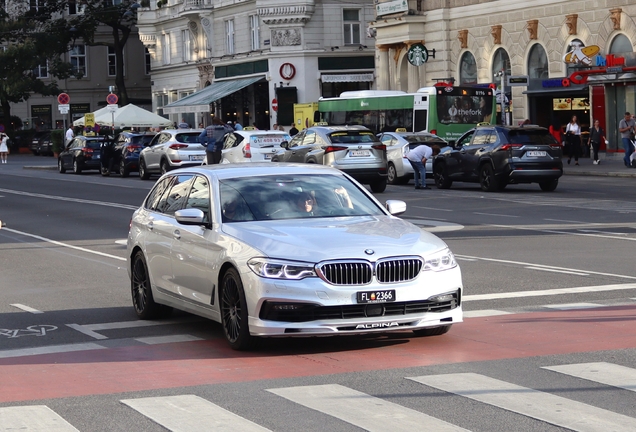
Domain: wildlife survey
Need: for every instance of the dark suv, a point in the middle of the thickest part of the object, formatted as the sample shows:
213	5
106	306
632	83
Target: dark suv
495	156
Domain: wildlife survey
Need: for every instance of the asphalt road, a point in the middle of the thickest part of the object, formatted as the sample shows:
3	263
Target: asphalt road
549	300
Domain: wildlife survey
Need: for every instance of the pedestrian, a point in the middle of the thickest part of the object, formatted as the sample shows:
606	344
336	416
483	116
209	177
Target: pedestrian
70	134
275	127
418	157
293	131
556	131
230	124
183	125
212	137
281	128
626	127
573	134
237	125
597	135
4	147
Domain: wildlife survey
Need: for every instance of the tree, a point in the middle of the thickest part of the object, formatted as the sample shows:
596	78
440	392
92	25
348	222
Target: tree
121	17
31	38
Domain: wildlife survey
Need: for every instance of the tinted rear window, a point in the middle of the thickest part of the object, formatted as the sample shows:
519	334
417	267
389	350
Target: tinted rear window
141	139
530	137
424	139
94	144
188	137
352	137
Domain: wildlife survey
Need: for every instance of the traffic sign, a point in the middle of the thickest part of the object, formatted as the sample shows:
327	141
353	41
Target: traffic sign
63	108
63	99
112	99
112	107
274	104
89	119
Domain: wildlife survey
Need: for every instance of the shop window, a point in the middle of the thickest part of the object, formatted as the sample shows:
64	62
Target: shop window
500	61
538	63
620	44
468	69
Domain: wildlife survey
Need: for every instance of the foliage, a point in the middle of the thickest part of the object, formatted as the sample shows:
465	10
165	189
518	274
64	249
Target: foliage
57	140
33	39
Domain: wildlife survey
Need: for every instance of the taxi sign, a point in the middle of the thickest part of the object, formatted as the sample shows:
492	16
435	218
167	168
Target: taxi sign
400	130
249	128
321	124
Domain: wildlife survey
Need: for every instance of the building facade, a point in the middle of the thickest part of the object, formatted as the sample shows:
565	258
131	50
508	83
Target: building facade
541	42
249	61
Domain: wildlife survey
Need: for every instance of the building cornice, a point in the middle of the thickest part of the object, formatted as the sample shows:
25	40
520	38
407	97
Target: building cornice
286	14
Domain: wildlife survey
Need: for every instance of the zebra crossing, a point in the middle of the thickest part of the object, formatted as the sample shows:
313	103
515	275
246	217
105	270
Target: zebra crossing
191	413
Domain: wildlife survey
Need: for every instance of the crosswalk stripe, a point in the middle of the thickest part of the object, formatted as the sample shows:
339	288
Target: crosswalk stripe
33	418
602	372
540	405
190	413
362	410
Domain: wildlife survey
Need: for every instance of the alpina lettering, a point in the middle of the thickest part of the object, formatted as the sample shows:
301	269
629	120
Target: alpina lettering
377	325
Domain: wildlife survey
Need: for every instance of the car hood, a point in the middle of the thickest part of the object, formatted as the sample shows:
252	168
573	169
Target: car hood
315	240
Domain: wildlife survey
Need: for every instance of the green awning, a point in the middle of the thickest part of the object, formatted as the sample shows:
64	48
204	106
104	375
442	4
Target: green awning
200	101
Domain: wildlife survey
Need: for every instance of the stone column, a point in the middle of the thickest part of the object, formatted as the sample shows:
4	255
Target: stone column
414	77
383	68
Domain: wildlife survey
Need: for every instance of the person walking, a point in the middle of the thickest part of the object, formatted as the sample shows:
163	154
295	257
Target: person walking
597	135
627	128
70	134
418	157
573	134
293	131
212	136
4	147
555	130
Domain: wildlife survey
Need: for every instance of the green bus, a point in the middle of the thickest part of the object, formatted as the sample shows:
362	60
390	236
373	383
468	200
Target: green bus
443	110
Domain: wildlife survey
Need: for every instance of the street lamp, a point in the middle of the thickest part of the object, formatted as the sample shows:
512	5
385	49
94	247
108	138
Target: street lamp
502	74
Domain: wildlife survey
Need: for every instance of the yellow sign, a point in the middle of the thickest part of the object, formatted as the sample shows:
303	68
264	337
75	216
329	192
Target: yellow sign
89	119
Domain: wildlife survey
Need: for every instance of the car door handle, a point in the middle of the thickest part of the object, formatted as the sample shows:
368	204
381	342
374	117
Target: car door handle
151	225
176	234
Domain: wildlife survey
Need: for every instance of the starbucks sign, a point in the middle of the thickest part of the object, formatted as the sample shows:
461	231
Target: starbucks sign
417	55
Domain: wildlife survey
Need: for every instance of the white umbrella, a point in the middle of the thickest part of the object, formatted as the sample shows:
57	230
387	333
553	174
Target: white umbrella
131	116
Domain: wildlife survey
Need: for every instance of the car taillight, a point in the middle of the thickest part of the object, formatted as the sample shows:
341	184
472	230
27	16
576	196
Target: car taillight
247	151
88	152
132	148
434	131
330	149
509	146
178	146
379	147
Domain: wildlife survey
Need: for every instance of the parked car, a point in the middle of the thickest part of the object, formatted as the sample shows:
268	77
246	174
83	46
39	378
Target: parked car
495	156
398	144
352	149
252	145
82	154
128	146
41	143
272	250
171	149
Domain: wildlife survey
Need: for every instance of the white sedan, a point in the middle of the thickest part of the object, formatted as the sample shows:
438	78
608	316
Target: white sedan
287	250
252	145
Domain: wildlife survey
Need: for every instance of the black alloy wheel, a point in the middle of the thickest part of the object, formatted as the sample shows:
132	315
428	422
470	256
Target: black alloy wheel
378	186
441	177
76	167
123	170
165	167
549	185
60	166
143	172
142	298
487	178
432	331
234	312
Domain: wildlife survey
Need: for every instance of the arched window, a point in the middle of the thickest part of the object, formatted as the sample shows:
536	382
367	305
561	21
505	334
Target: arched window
620	44
467	69
538	63
501	61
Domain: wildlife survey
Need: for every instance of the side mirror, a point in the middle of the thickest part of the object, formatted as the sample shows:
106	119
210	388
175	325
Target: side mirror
452	143
395	207
284	144
316	116
190	216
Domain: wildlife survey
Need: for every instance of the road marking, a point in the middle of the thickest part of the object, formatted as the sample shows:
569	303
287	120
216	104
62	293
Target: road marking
494	214
66	245
571	306
565	220
602	232
53	349
549	292
551	231
532	403
92	329
34	418
524	264
557	271
435	226
155	340
77	200
601	372
190	413
432	208
360	409
26	308
484	313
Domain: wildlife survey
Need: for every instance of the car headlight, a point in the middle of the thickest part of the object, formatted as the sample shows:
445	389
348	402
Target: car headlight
280	269
440	261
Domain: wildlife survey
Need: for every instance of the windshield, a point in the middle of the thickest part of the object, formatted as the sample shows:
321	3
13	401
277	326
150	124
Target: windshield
352	137
188	137
293	196
464	109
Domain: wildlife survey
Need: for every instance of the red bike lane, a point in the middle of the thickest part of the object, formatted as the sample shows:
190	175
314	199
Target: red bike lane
148	367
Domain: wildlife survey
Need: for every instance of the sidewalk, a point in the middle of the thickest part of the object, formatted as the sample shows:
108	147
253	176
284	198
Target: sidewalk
610	166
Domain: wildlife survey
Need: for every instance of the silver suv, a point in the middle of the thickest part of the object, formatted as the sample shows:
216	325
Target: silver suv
352	149
171	149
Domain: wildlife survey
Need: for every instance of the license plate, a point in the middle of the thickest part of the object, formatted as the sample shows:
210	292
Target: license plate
379	296
535	153
268	155
196	158
359	153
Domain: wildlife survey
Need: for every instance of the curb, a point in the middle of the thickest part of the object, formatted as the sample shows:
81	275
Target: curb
41	167
601	174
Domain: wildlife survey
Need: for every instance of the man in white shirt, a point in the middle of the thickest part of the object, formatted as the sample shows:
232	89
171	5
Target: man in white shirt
69	135
418	157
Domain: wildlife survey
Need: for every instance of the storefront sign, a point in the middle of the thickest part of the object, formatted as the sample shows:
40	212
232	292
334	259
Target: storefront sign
561	104
287	71
390	7
361	77
580	103
417	54
521	81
